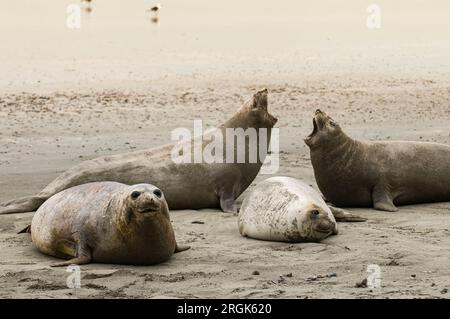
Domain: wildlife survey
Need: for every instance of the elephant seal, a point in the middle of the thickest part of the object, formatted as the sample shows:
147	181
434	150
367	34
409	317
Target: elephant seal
381	174
185	185
105	222
286	209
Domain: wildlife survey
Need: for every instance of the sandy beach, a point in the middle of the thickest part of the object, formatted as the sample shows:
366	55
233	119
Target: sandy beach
58	108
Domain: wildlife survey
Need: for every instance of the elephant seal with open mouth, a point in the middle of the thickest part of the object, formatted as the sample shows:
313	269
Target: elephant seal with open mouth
376	174
189	185
105	222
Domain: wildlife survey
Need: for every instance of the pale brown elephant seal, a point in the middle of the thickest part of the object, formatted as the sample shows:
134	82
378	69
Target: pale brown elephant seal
353	173
186	185
105	222
286	209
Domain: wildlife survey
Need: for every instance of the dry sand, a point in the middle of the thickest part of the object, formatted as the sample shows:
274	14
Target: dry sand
43	134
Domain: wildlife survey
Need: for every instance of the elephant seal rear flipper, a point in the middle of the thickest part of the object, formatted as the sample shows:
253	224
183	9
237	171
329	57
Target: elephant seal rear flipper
22	205
179	249
26	230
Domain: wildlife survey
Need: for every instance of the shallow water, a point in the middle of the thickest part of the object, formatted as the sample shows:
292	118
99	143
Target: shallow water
197	35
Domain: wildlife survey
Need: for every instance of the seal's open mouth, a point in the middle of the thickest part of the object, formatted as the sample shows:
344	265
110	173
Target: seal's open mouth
315	128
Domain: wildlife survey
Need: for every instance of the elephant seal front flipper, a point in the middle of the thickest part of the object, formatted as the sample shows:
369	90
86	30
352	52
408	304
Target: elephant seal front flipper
82	253
228	204
344	216
382	198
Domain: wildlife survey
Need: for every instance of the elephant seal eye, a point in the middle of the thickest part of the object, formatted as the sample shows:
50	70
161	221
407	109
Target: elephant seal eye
315	213
135	194
158	193
333	124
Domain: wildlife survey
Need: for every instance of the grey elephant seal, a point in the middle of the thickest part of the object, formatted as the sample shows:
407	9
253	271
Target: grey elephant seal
105	222
379	174
210	185
286	209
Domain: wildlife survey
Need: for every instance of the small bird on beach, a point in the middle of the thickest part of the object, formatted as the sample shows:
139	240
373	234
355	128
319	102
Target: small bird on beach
155	8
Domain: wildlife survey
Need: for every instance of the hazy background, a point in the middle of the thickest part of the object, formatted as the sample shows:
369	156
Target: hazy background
234	39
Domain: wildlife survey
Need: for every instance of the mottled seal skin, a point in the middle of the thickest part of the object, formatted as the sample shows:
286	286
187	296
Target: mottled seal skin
106	222
185	185
285	209
379	174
